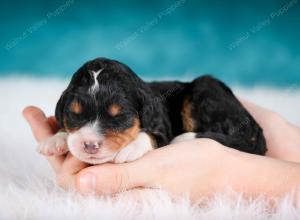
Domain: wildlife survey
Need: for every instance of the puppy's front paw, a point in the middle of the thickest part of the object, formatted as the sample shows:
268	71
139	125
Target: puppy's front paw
136	149
184	137
55	145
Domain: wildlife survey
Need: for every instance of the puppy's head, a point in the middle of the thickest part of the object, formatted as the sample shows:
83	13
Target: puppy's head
100	110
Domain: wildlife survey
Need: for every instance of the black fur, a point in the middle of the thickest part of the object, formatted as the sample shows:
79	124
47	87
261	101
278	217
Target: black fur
220	116
158	106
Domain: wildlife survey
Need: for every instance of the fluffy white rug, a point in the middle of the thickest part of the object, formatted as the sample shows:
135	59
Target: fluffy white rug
28	190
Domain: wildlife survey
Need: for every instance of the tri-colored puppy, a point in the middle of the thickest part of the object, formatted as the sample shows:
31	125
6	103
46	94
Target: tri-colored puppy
108	114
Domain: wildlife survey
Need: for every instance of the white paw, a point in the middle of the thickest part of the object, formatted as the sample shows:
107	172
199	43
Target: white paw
55	145
135	149
184	137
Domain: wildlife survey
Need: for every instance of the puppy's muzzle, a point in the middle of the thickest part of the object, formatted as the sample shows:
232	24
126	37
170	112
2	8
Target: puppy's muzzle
92	147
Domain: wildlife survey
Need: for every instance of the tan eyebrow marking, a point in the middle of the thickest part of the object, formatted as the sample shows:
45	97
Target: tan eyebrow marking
114	109
76	107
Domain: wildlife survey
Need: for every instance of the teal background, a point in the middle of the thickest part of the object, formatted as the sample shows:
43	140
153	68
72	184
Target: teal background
238	41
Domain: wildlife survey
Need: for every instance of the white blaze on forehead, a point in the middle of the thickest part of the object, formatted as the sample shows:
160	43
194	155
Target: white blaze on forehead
95	87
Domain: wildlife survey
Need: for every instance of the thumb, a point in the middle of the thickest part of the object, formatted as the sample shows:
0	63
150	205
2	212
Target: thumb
112	178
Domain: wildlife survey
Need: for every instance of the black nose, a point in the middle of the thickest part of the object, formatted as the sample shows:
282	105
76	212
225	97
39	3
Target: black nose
91	147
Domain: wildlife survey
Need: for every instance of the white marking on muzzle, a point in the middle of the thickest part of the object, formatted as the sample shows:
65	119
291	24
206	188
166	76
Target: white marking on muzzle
90	133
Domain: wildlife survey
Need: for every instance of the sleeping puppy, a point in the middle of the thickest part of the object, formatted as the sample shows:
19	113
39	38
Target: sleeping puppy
108	114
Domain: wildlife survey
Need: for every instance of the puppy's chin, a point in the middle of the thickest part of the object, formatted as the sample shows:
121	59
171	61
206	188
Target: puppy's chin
94	159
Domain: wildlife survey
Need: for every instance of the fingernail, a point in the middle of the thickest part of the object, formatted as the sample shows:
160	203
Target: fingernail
87	183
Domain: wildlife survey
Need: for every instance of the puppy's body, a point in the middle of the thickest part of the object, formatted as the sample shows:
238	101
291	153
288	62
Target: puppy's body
110	115
209	109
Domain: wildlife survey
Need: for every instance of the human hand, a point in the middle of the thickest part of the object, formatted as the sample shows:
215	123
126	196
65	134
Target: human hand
198	168
188	167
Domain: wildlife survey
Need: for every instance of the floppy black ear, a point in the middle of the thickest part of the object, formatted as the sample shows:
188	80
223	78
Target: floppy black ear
59	109
153	116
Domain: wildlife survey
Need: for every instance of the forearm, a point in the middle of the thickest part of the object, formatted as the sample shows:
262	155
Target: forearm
283	138
255	175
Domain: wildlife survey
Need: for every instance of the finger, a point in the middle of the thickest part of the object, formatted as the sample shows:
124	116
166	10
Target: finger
41	131
38	123
53	124
114	178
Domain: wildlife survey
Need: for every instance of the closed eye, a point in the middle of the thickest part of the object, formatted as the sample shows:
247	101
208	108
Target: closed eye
76	107
114	110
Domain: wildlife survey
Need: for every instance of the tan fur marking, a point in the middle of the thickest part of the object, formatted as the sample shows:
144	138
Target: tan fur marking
114	109
118	140
76	107
188	122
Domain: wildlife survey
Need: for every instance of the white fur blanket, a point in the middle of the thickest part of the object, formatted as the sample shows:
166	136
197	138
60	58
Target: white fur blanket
28	190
